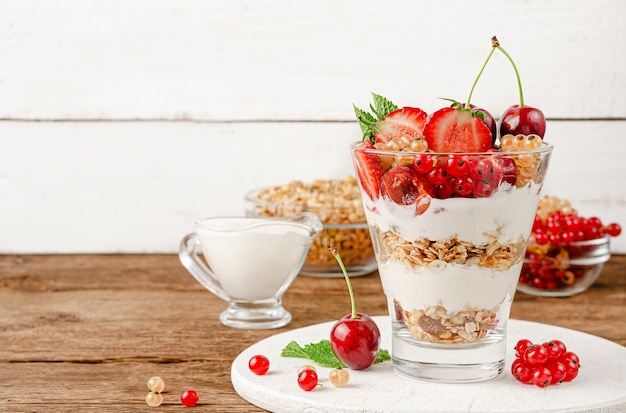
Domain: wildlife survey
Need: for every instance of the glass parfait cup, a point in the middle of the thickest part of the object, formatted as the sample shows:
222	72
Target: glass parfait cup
449	232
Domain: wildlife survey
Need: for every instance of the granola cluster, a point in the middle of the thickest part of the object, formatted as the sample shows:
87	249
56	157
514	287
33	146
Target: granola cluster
336	202
435	325
437	254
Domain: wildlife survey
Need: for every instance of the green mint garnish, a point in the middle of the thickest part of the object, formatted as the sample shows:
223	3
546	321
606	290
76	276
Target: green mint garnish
322	353
369	121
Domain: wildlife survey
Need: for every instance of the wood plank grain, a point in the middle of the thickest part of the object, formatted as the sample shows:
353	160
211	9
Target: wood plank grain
87	331
142	185
281	60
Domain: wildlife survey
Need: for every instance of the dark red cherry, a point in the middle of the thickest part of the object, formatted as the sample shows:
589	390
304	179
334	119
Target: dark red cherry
355	341
523	120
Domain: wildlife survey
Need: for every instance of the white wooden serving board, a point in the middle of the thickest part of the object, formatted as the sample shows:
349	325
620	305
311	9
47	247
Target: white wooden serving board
599	387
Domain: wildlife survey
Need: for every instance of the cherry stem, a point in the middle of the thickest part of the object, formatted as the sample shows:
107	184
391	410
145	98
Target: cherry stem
333	250
496	44
493	48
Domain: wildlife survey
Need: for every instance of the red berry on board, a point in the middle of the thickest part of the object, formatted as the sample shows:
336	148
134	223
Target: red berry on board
522	371
542	376
571	370
554	350
189	398
536	355
259	364
307	379
521	346
557	370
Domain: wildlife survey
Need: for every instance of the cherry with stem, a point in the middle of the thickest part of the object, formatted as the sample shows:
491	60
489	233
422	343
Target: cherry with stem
354	338
520	119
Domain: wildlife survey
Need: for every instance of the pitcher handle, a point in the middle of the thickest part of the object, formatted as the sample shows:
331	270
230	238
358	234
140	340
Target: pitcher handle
188	255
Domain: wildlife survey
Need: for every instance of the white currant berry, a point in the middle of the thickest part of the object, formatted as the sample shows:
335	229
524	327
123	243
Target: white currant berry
156	384
339	377
154	399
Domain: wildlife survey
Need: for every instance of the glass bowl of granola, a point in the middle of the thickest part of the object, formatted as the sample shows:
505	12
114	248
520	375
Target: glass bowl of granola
337	203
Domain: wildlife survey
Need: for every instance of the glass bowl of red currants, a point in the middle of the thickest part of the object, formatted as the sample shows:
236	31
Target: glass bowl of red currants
566	251
337	203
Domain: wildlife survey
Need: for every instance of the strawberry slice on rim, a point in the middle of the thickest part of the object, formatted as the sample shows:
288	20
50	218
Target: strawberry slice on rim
457	130
369	170
404	121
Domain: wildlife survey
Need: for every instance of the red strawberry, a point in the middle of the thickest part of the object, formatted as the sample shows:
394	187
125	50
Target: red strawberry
369	170
400	122
456	130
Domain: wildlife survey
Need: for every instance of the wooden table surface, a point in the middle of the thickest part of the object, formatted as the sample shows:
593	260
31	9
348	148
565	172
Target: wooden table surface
85	332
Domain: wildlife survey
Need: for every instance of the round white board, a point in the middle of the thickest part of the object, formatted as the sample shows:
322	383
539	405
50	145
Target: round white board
599	387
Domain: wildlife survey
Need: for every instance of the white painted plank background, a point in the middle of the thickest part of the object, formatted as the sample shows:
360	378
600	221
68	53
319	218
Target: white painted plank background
121	122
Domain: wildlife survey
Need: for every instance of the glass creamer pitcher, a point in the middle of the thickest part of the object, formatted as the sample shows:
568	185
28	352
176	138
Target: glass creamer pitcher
250	263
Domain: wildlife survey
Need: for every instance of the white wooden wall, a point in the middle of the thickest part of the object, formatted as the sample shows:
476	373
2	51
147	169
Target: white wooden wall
121	122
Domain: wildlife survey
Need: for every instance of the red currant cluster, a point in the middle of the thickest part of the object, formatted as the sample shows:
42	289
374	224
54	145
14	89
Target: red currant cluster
307	375
556	239
544	364
456	175
562	229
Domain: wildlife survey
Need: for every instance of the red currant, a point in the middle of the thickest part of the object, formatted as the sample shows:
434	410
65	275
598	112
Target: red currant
423	163
613	229
568	355
542	377
307	379
189	398
558	371
259	364
571	370
521	346
457	165
536	355
554	350
521	371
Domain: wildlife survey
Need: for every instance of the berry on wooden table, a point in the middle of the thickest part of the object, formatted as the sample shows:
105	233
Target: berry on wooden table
189	398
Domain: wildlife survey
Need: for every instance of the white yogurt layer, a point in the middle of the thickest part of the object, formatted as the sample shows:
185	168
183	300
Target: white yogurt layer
508	213
454	286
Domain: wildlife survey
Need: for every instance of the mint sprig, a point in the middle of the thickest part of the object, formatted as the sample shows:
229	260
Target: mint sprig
369	121
322	353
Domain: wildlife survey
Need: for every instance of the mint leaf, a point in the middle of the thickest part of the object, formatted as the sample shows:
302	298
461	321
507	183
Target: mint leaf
322	353
383	355
293	349
382	106
367	122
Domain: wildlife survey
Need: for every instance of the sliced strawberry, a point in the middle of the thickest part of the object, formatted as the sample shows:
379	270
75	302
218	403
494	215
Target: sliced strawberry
369	170
400	122
456	130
